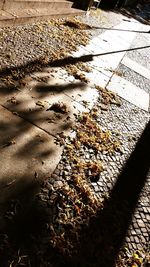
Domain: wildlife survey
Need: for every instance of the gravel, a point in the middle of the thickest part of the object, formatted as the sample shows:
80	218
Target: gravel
21	44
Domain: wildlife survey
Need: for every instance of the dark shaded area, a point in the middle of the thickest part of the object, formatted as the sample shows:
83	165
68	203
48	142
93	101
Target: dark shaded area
44	89
18	134
106	4
24	235
23	218
100	242
105	236
84	4
24	149
33	66
34	146
32	111
6	90
19	224
27	68
140	13
139	10
26	219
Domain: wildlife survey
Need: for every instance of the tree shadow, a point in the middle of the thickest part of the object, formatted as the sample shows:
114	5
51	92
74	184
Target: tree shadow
105	235
26	132
43	89
8	90
22	146
102	240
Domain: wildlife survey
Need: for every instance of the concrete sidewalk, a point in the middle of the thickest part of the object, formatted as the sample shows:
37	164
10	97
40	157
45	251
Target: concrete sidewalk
29	130
36	118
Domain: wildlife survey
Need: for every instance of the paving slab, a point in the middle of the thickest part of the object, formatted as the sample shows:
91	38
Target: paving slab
97	78
34	101
4	15
129	92
33	149
95	46
103	65
100	64
28	149
89	95
27	154
81	51
36	109
138	68
7	92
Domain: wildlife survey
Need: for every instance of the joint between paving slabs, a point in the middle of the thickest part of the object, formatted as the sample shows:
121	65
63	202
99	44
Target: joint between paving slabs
16	114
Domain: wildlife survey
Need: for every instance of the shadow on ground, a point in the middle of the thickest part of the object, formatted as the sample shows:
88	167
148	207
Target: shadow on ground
139	10
19	72
66	61
100	242
105	236
28	134
24	222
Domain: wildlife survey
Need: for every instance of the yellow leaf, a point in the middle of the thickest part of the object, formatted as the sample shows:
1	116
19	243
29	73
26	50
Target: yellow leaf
135	256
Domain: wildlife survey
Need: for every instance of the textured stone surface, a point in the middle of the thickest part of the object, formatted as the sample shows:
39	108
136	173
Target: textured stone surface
126	122
128	91
136	67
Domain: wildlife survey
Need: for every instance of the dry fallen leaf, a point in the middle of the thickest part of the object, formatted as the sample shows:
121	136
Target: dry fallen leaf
58	107
40	103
